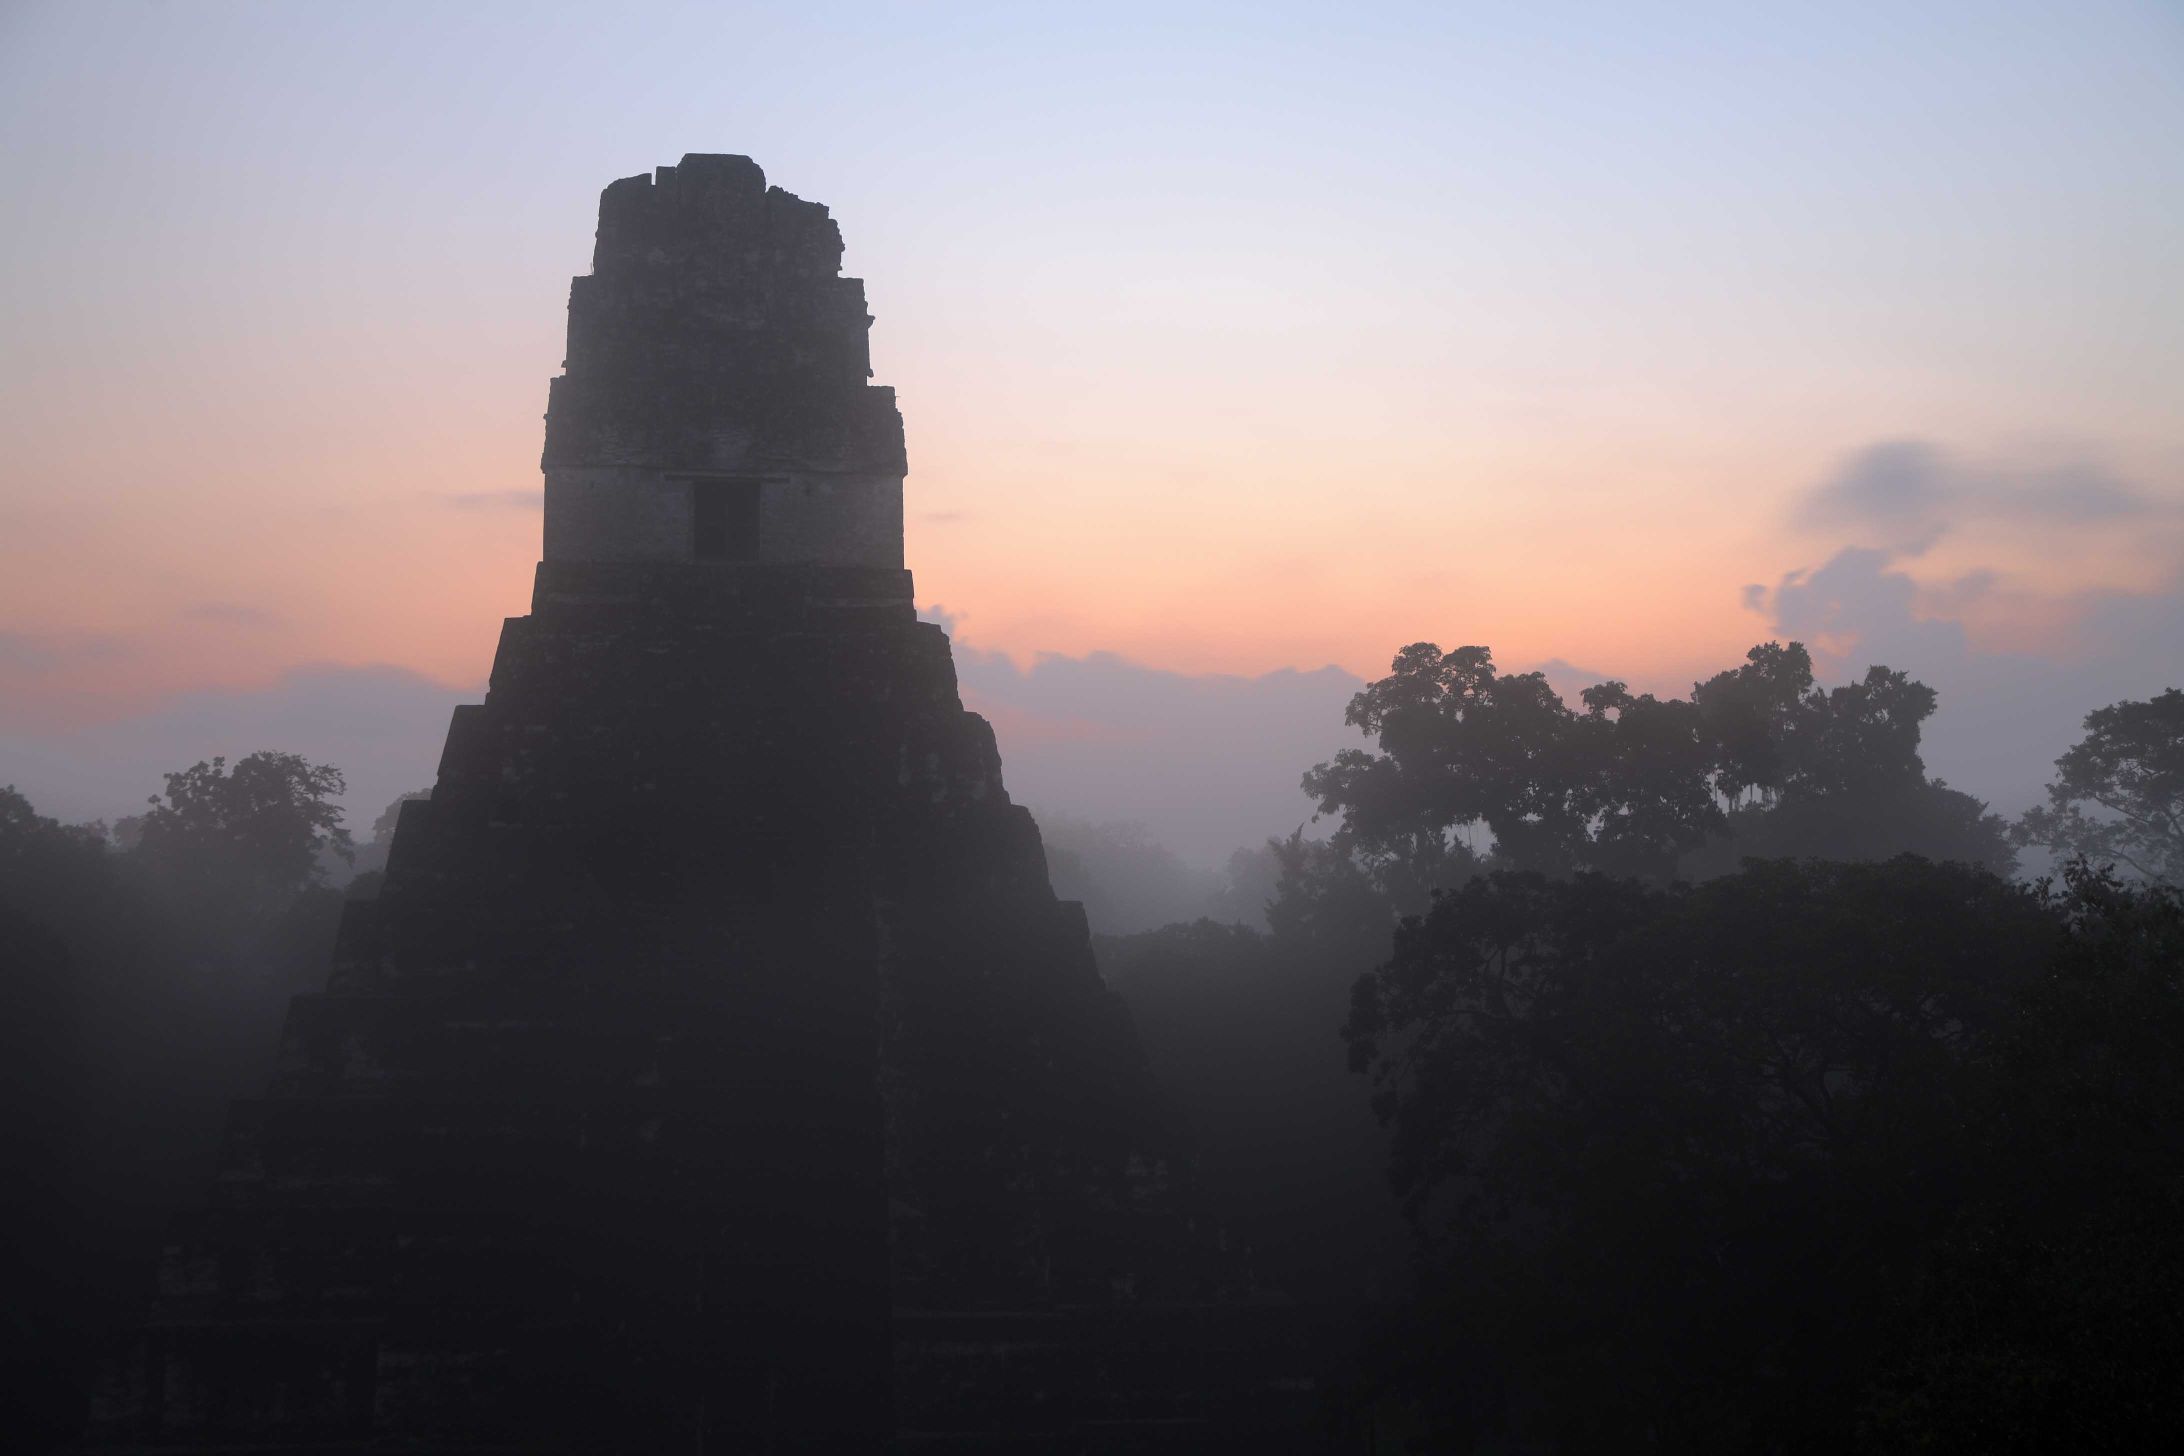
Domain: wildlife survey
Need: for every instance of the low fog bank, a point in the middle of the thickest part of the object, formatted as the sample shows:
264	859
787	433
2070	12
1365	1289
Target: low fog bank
381	725
1203	762
1128	881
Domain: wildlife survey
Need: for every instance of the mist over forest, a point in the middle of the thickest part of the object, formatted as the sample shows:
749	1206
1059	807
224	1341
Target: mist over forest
1549	1015
1156	729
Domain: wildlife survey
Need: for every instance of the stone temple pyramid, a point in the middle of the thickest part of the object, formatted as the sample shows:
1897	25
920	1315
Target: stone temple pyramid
716	1070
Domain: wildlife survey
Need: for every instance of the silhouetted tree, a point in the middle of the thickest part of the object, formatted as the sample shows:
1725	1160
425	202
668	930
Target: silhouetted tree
1646	791
49	869
1772	732
1752	715
1831	773
245	840
1460	746
2129	768
1757	762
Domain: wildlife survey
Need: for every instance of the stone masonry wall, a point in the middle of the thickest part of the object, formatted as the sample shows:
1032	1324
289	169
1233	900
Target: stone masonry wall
715	1006
629	513
716	335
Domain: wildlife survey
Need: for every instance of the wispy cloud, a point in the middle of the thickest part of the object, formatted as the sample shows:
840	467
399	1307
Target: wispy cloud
2017	662
1904	495
382	726
2005	713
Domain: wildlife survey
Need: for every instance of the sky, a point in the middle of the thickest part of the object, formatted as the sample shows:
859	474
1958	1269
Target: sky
1238	346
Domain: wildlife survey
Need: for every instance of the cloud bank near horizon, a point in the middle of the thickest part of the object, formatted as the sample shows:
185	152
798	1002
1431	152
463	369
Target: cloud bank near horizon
381	725
1209	761
1939	568
1206	762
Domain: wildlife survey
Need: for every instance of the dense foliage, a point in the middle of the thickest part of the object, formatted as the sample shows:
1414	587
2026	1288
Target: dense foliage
2119	793
1720	1123
1729	1167
1731	1101
1476	770
141	990
245	840
1473	765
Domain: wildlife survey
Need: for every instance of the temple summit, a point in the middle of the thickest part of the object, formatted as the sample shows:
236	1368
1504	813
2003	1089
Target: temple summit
715	1070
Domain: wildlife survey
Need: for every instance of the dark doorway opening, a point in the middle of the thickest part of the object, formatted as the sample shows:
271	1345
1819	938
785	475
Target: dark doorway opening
724	520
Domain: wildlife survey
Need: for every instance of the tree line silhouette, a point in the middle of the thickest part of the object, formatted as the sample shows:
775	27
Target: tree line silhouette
1721	1090
144	970
1668	1074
